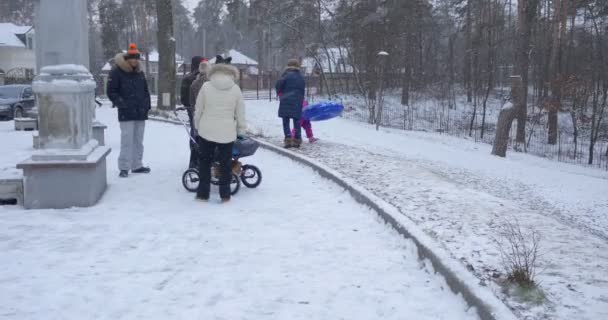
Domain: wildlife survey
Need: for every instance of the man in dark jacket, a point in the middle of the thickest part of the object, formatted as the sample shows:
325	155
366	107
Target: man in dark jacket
189	105
128	90
291	89
196	86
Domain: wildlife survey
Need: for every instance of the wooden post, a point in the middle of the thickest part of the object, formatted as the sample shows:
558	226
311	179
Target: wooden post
506	117
257	84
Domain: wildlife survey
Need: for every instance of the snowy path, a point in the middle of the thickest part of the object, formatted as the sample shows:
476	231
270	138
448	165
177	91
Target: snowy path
461	195
149	251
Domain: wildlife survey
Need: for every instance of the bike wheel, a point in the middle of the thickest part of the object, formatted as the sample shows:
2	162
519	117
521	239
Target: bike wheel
235	184
251	176
191	180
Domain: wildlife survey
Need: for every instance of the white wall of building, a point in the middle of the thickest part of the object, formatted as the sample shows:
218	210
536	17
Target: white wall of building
15	57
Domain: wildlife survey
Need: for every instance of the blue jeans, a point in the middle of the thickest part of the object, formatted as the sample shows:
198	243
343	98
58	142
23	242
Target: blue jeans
296	126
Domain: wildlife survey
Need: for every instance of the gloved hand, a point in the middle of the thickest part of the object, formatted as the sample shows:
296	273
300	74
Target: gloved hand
241	137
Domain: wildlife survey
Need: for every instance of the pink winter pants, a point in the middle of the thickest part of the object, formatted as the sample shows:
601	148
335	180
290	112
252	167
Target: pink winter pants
307	126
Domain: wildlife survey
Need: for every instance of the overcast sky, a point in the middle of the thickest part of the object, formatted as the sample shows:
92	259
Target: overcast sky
190	4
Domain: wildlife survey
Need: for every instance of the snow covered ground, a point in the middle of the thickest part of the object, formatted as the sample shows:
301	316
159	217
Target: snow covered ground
430	113
461	195
16	146
298	247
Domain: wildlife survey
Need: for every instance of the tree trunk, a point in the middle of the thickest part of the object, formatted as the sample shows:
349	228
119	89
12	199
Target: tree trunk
468	53
452	79
407	74
575	128
526	10
559	24
506	117
166	59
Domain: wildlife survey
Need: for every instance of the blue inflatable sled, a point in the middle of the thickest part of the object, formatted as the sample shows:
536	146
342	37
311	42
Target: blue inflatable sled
322	111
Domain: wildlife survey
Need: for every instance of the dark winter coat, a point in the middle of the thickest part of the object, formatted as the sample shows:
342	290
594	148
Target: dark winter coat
291	88
187	82
128	91
185	88
196	86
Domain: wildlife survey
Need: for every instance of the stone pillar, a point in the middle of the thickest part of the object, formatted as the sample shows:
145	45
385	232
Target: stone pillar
62	33
69	167
65	98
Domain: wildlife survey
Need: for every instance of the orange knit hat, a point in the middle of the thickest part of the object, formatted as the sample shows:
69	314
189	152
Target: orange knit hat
133	53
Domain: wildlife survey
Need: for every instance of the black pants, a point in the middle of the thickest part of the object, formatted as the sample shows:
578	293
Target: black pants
193	152
208	151
296	126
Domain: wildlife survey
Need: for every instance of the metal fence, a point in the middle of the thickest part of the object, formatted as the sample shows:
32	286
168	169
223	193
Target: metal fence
429	113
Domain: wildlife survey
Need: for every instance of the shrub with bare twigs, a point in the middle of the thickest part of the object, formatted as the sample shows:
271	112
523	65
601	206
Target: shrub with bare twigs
519	251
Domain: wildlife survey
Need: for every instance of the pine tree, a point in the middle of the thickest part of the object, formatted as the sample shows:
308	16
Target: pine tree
111	19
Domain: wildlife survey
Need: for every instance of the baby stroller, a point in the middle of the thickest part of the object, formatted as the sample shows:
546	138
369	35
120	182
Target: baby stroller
248	174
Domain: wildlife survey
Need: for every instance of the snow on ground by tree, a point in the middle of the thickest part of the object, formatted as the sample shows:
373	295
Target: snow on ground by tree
431	112
461	195
298	247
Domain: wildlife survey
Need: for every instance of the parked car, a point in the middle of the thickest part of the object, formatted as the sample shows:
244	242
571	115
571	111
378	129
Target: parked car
16	101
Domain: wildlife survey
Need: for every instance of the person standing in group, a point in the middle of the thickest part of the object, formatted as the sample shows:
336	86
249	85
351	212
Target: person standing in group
189	104
291	89
219	119
128	91
196	86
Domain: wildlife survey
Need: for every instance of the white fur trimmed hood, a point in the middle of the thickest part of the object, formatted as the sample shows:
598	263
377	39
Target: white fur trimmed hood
223	76
122	63
225	69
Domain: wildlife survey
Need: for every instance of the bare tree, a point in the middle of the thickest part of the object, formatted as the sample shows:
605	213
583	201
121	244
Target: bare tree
506	117
527	13
166	60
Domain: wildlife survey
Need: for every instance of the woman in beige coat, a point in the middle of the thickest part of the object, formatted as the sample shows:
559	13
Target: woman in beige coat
219	119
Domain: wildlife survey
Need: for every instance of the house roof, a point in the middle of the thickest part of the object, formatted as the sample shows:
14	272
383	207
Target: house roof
336	62
238	58
9	35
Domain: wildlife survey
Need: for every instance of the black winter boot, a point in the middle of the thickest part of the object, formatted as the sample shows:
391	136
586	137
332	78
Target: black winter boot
123	173
141	170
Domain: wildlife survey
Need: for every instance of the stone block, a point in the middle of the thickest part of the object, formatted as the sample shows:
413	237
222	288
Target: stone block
26	124
61	184
11	189
99	133
36	141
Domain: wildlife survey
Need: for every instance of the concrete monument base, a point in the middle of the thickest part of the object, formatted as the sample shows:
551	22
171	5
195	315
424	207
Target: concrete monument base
36	141
99	132
11	189
26	124
61	183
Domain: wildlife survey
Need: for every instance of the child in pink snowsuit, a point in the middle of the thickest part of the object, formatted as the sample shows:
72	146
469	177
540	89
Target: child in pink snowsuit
307	126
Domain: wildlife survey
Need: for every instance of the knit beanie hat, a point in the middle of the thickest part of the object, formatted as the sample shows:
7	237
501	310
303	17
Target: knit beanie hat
196	61
203	65
132	53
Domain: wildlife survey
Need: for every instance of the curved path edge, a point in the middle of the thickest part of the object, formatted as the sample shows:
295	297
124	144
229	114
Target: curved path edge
458	278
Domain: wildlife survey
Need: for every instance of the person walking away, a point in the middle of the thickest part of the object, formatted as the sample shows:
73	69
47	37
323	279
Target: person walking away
128	91
306	125
189	105
291	89
219	120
